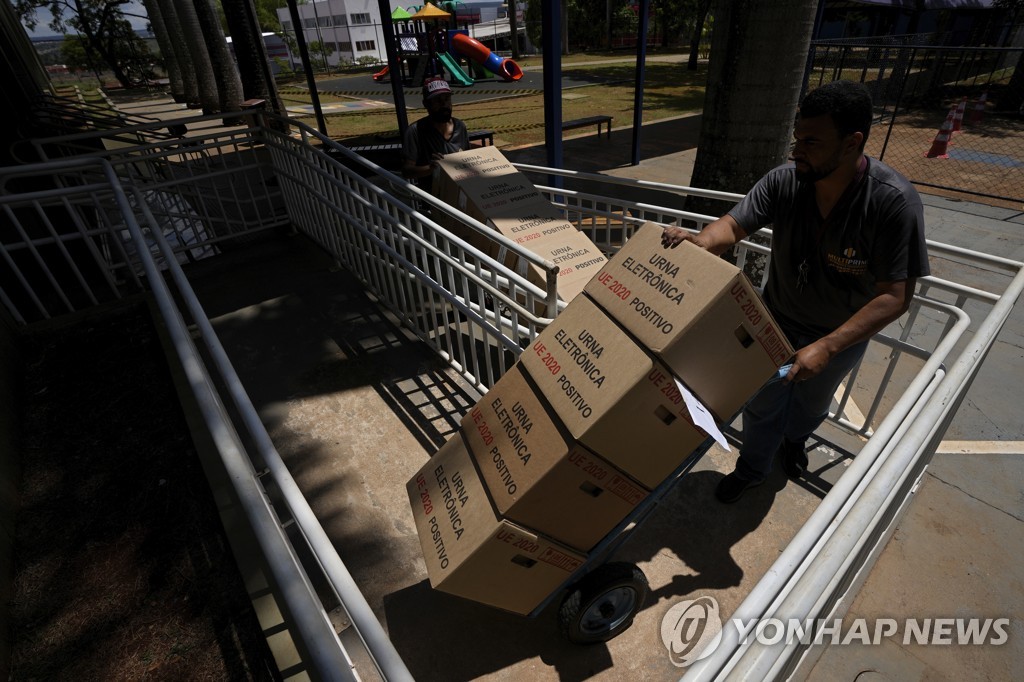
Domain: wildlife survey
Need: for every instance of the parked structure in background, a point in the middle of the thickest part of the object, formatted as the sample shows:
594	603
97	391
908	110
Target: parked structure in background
351	29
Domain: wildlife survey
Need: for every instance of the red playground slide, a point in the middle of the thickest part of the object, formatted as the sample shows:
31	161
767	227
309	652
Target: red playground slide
381	75
471	48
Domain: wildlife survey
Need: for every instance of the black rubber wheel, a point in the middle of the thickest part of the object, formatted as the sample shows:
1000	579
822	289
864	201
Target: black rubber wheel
602	605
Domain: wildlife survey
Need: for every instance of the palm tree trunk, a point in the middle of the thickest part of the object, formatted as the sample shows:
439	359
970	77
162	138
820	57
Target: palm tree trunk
251	54
753	91
163	40
194	42
182	56
225	73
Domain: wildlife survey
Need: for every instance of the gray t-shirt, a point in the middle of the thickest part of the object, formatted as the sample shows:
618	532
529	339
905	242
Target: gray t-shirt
422	141
875	233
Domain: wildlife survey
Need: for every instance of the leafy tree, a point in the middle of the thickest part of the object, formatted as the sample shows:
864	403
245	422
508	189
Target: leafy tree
586	23
318	54
532	16
109	40
75	56
266	15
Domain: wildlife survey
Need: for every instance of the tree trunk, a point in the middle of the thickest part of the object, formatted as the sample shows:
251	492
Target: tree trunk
182	55
758	54
1012	99
225	73
194	42
698	30
513	27
163	40
251	54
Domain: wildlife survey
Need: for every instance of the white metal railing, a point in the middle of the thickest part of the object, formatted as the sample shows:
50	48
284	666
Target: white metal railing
478	312
315	635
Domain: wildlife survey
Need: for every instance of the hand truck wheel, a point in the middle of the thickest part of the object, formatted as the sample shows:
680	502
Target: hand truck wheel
602	605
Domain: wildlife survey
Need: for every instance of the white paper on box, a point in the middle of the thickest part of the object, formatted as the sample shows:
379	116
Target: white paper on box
701	416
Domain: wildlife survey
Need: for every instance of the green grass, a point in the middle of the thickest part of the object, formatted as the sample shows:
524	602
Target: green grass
669	90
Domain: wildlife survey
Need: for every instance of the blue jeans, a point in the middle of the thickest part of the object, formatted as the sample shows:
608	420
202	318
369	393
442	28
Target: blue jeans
791	411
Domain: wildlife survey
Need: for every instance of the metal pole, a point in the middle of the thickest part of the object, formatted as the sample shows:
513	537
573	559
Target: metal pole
300	42
394	66
638	89
551	34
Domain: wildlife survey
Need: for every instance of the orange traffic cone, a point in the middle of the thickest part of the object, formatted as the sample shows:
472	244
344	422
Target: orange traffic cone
958	117
941	141
979	109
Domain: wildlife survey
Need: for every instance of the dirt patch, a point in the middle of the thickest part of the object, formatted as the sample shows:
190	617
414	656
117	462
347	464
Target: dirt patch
984	158
122	568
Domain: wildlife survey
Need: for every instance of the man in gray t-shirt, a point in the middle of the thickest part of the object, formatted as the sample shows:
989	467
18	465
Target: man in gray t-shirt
433	136
847	246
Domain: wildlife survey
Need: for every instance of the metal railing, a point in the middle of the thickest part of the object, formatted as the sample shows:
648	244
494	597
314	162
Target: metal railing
478	312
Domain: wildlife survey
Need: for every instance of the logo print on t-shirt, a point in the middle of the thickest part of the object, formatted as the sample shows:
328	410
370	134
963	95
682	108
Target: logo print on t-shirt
847	263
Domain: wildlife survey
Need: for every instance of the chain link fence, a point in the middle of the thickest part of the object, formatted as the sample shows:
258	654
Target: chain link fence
948	118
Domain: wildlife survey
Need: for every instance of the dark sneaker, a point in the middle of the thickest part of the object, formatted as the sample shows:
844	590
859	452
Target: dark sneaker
794	458
732	487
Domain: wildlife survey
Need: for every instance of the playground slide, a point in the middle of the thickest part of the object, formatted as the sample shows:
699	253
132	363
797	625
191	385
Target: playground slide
381	75
472	48
458	75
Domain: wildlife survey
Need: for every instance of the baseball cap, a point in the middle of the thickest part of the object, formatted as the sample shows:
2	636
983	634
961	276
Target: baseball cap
432	87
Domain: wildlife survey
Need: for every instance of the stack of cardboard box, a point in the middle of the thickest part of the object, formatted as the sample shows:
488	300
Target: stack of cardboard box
483	184
599	411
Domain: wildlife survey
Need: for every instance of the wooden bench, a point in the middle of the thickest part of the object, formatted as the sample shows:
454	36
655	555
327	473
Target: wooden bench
484	137
589	121
390	155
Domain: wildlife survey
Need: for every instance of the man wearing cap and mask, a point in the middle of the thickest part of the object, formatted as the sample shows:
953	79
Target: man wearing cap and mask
433	136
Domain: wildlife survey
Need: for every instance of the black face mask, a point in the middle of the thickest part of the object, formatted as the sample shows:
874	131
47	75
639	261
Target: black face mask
441	115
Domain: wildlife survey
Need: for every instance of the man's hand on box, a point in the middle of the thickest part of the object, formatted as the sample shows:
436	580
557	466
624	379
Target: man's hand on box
674	236
808	362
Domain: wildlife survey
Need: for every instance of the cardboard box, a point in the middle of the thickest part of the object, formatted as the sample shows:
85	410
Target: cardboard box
611	395
577	257
698	313
472	552
537	474
485	185
539	221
